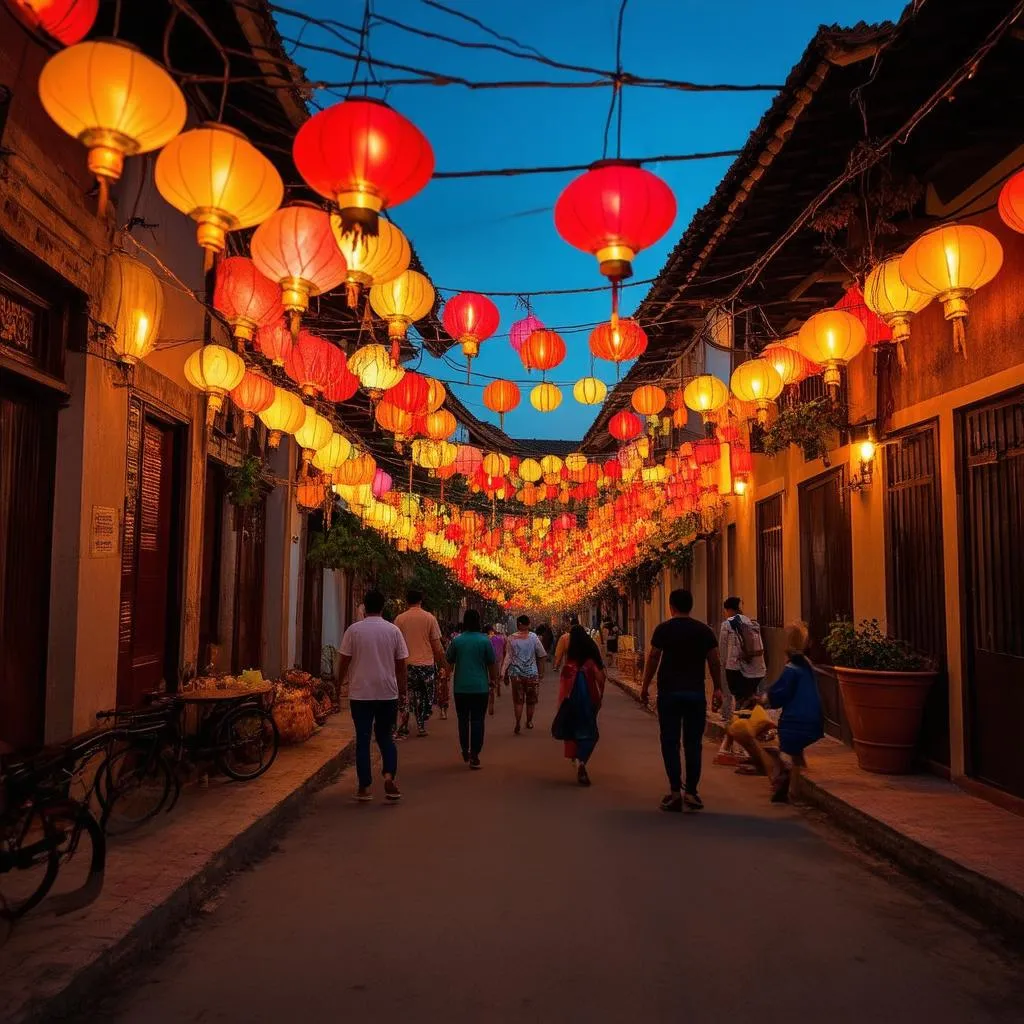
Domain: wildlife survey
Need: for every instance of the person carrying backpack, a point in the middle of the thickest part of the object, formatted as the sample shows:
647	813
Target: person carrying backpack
739	640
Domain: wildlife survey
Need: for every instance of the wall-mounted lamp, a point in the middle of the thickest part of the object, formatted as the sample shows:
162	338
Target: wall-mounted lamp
740	486
866	450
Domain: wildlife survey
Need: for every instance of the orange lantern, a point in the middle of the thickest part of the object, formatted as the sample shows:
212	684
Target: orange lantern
66	21
310	494
440	425
618	342
358	471
436	394
393	419
832	338
501	396
254	394
624	426
649	400
245	298
275	342
543	350
788	363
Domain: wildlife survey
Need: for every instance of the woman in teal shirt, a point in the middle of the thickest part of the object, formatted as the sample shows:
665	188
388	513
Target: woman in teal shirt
472	656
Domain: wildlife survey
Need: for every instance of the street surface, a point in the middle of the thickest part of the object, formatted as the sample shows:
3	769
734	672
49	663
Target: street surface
511	894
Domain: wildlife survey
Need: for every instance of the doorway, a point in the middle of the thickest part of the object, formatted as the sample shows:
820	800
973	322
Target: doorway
247	649
312	603
826	579
991	456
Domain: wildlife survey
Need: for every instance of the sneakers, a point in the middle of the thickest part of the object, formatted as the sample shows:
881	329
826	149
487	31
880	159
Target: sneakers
391	790
672	802
581	775
692	802
465	756
517	729
529	724
421	731
474	763
364	794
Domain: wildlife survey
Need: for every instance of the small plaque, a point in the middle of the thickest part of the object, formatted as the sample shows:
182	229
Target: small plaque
103	532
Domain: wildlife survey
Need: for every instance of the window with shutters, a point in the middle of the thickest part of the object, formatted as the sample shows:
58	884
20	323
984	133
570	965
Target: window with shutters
769	561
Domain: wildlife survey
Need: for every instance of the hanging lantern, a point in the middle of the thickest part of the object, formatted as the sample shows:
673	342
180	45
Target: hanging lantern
470	319
788	363
649	400
332	455
618	342
359	471
275	342
501	396
295	248
382	483
875	328
1011	202
364	156
376	372
707	451
551	465
253	394
495	464
832	338
624	426
440	425
575	462
216	176
65	21
410	393
447	453
522	329
315	432
891	298
613	211
217	371
543	350
342	383
436	394
952	262
757	381
402	302
545	397
467	460
426	453
245	298
394	420
356	496
114	100
371	259
530	470
310	494
742	460
133	306
308	363
589	391
284	416
705	394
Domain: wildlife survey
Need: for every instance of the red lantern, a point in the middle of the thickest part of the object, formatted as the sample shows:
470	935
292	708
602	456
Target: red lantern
878	331
707	451
612	469
67	21
309	363
742	460
275	342
624	426
613	211
254	394
501	396
543	350
341	382
618	343
364	156
245	298
1011	202
410	393
470	318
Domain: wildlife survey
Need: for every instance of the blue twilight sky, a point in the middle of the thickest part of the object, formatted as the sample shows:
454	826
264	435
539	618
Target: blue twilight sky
498	233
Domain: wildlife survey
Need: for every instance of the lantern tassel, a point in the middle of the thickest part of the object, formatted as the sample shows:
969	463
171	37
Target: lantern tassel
103	197
294	319
396	351
960	336
901	356
352	294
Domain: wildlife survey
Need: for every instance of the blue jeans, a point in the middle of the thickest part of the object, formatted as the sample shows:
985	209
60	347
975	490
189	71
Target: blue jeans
684	713
375	717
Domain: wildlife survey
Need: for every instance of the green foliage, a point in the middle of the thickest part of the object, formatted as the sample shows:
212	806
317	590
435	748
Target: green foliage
245	483
866	646
808	425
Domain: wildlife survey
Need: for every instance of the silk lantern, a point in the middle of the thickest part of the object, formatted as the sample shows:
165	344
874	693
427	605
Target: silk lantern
410	393
216	370
315	432
470	318
65	21
440	425
1011	203
245	298
618	341
832	338
275	341
377	373
649	400
341	383
253	394
284	415
705	394
624	426
788	363
757	381
522	329
545	397
330	456
401	302
133	305
308	363
891	298
543	350
501	396
371	259
589	391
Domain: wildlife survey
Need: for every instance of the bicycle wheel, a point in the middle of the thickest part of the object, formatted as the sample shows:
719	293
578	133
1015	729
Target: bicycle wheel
29	863
138	787
82	852
247	742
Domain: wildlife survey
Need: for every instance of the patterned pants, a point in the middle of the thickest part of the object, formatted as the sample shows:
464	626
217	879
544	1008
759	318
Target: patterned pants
421	692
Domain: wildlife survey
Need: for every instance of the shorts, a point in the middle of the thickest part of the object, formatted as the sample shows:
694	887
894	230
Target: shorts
795	741
525	690
741	687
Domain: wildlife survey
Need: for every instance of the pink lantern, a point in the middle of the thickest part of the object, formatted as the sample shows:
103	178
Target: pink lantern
382	483
522	329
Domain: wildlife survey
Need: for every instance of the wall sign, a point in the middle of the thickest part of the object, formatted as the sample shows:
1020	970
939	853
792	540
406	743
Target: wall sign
103	532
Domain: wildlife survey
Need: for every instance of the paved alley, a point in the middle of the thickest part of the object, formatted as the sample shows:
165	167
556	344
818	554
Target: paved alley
513	895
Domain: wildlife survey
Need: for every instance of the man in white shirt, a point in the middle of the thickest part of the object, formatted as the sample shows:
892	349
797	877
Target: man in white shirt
524	662
742	650
374	651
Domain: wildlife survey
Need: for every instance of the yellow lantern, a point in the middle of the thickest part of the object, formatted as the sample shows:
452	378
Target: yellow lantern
371	259
216	176
447	453
436	394
114	100
285	415
426	453
545	397
530	470
357	496
133	306
654	474
377	373
215	370
401	302
551	465
759	382
381	516
705	394
952	262
832	338
496	464
314	434
329	457
887	295
575	462
589	391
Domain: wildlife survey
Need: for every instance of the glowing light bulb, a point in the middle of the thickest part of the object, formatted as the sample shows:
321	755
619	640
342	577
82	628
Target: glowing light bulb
867	451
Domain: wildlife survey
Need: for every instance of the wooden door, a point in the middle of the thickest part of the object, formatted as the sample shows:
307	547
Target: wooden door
213	552
914	575
312	604
148	633
28	455
247	649
826	578
992	523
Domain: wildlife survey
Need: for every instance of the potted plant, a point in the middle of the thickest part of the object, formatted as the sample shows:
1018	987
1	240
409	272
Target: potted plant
884	683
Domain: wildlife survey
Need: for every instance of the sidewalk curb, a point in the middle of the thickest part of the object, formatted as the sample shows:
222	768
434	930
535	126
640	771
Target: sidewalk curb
163	920
982	898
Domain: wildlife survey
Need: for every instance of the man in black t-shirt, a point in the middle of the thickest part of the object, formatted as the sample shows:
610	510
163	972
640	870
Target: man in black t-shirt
680	647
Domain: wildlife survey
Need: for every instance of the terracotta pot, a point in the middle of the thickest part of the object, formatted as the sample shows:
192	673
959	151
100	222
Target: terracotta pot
884	710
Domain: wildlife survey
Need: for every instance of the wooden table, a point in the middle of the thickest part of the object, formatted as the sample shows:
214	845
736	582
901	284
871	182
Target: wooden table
227	693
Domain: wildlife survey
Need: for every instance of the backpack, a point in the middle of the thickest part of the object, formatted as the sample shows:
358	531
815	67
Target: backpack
751	646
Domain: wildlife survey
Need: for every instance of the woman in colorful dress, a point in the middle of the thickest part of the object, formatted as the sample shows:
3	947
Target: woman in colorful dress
583	658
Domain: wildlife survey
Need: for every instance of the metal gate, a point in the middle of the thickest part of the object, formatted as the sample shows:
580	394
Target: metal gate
826	578
914	574
991	440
